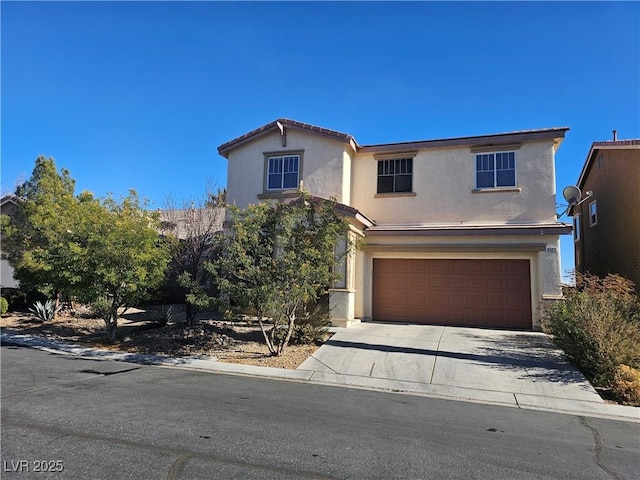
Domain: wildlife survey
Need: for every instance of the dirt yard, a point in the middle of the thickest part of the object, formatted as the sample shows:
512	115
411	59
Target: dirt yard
226	341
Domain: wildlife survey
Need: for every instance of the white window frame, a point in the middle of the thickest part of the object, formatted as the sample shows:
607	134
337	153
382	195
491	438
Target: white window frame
495	170
285	167
577	224
593	213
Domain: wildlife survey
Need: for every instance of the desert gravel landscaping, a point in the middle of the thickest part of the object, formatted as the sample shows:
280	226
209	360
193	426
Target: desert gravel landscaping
232	342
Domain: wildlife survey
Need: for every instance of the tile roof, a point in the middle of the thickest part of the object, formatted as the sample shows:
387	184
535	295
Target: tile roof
339	208
617	143
225	148
499	138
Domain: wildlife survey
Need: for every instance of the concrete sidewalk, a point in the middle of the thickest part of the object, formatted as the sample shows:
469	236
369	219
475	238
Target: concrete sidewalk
521	369
518	369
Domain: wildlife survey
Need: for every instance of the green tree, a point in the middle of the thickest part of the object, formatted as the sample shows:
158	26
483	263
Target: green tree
103	252
120	255
34	235
279	257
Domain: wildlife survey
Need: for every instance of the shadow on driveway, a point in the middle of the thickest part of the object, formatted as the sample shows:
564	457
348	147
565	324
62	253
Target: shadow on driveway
533	357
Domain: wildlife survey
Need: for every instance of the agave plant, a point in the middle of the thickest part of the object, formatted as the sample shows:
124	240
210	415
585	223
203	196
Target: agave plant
165	314
45	312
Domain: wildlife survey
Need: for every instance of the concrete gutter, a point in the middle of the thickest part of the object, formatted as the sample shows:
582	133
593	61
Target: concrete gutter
598	409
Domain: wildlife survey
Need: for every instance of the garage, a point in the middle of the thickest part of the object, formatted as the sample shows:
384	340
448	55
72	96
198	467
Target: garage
494	293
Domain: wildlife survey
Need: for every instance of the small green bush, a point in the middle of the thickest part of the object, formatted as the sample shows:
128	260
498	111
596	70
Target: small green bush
4	305
597	325
101	308
45	312
308	334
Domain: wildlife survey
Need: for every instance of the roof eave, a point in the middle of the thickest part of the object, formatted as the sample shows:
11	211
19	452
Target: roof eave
282	124
596	146
556	134
487	230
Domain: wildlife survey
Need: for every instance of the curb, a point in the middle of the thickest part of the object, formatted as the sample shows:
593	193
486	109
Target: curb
210	364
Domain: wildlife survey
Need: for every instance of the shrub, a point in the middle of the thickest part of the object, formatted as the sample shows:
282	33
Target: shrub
626	385
307	334
598	326
311	324
17	299
45	312
4	305
164	314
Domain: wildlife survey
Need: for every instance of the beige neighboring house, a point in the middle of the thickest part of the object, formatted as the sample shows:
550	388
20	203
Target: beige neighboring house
8	205
456	231
191	222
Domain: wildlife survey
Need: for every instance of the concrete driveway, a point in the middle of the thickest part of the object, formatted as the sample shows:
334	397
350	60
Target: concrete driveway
496	366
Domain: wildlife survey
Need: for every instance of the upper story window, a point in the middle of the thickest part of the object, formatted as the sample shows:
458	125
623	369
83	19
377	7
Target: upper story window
576	227
593	213
495	170
283	172
395	175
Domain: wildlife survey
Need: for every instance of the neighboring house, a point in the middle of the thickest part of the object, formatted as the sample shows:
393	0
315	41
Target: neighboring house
195	228
607	224
458	231
191	222
8	205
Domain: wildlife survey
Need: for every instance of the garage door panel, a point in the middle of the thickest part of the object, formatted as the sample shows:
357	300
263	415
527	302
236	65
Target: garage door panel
490	293
437	281
418	281
456	281
496	284
474	282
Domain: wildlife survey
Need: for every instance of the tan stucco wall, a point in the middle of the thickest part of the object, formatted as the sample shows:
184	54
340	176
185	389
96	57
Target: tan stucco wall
444	180
325	166
443	183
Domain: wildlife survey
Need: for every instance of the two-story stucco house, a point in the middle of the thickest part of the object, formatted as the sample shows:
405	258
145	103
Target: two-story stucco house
457	231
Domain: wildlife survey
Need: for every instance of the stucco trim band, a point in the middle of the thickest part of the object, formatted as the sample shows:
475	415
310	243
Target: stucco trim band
447	247
559	229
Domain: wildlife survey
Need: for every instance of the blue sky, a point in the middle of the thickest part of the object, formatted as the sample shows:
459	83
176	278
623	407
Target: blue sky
140	94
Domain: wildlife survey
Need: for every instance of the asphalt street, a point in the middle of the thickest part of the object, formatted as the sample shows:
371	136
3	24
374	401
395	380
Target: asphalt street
68	417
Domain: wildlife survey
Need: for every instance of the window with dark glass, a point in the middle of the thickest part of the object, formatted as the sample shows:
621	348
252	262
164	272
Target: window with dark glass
395	176
283	172
496	170
593	213
576	227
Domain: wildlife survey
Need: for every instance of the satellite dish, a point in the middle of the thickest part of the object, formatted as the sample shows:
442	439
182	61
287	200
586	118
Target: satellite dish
572	195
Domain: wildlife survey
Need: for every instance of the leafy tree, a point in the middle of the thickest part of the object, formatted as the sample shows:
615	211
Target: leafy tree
279	257
103	251
121	257
34	235
194	228
217	198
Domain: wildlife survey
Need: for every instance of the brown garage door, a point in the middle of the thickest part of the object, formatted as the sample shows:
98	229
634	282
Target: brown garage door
488	293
